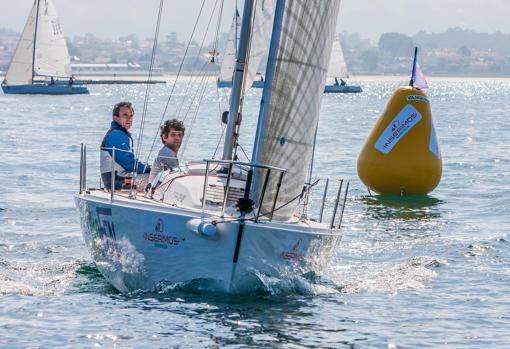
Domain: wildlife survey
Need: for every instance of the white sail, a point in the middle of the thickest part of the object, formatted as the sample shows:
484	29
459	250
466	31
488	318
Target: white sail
297	68
229	57
262	19
50	58
51	55
337	65
20	69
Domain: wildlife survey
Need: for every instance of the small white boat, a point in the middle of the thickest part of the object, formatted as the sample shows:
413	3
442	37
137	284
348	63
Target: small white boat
41	63
225	222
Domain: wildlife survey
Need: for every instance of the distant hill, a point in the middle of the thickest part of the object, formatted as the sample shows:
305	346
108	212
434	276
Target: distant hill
457	37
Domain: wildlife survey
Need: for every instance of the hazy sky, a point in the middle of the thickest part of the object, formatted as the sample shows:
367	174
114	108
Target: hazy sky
370	18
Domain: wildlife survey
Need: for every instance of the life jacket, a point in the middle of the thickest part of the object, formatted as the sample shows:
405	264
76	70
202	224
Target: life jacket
106	158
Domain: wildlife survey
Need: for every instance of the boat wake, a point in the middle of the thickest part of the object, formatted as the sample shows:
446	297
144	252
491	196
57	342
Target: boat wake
381	277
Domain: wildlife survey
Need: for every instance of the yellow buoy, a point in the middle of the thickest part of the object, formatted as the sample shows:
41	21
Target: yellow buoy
401	155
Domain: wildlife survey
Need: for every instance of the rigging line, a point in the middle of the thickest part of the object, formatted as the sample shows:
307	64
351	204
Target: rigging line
218	28
245	74
205	85
222	125
310	173
197	59
197	91
245	155
146	98
176	78
149	78
200	91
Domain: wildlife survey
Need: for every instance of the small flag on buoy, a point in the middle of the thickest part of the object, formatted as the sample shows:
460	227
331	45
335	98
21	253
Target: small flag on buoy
417	77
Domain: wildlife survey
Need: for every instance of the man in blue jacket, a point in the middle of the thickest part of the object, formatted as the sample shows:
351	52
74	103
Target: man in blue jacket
118	143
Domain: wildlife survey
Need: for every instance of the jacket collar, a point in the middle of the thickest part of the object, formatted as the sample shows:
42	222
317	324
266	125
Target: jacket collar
115	125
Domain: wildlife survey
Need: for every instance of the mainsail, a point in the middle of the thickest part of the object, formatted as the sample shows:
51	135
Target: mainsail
20	69
49	57
299	56
337	65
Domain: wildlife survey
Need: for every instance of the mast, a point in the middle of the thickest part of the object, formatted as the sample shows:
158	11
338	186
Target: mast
413	73
270	71
235	96
35	38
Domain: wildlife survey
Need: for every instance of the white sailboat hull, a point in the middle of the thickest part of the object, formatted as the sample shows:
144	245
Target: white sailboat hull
139	245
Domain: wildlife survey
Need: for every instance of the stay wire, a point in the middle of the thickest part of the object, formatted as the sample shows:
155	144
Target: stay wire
176	78
218	28
190	81
245	74
146	98
198	90
201	95
222	125
149	79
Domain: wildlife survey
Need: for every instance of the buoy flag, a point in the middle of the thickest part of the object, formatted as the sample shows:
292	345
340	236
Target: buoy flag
419	79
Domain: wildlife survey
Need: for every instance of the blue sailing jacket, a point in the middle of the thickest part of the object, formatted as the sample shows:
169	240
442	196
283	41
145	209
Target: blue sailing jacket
120	139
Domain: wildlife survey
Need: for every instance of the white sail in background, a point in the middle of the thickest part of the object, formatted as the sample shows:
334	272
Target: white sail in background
262	24
297	68
337	65
51	54
20	69
228	59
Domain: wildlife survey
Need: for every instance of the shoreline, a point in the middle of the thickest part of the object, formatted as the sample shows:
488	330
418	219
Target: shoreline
374	77
352	78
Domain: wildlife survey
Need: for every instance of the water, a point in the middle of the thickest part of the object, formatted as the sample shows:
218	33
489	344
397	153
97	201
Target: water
432	272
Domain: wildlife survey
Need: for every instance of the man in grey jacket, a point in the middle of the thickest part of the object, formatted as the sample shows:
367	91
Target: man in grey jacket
172	133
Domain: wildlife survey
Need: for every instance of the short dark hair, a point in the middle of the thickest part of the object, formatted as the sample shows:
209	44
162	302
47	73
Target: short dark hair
116	108
172	123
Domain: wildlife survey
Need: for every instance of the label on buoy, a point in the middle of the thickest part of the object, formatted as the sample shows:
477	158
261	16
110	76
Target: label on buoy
399	126
417	98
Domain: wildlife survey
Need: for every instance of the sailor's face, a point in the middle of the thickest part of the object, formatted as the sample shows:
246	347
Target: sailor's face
173	139
125	118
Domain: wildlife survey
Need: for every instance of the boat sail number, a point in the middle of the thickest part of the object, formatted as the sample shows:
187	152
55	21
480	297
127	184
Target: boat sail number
57	29
106	228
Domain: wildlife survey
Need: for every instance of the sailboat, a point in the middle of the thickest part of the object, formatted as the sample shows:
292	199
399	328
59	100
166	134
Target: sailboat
225	222
41	63
338	72
259	47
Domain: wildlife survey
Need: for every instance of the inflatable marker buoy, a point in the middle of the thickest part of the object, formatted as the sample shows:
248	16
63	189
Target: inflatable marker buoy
401	155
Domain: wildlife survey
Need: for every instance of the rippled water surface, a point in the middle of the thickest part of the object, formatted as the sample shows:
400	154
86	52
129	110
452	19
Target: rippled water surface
428	272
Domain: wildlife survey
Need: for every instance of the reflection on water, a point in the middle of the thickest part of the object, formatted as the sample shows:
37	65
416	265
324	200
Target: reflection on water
414	207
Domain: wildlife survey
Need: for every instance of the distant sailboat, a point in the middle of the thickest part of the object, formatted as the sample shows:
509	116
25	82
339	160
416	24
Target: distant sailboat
338	71
228	59
41	63
258	48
